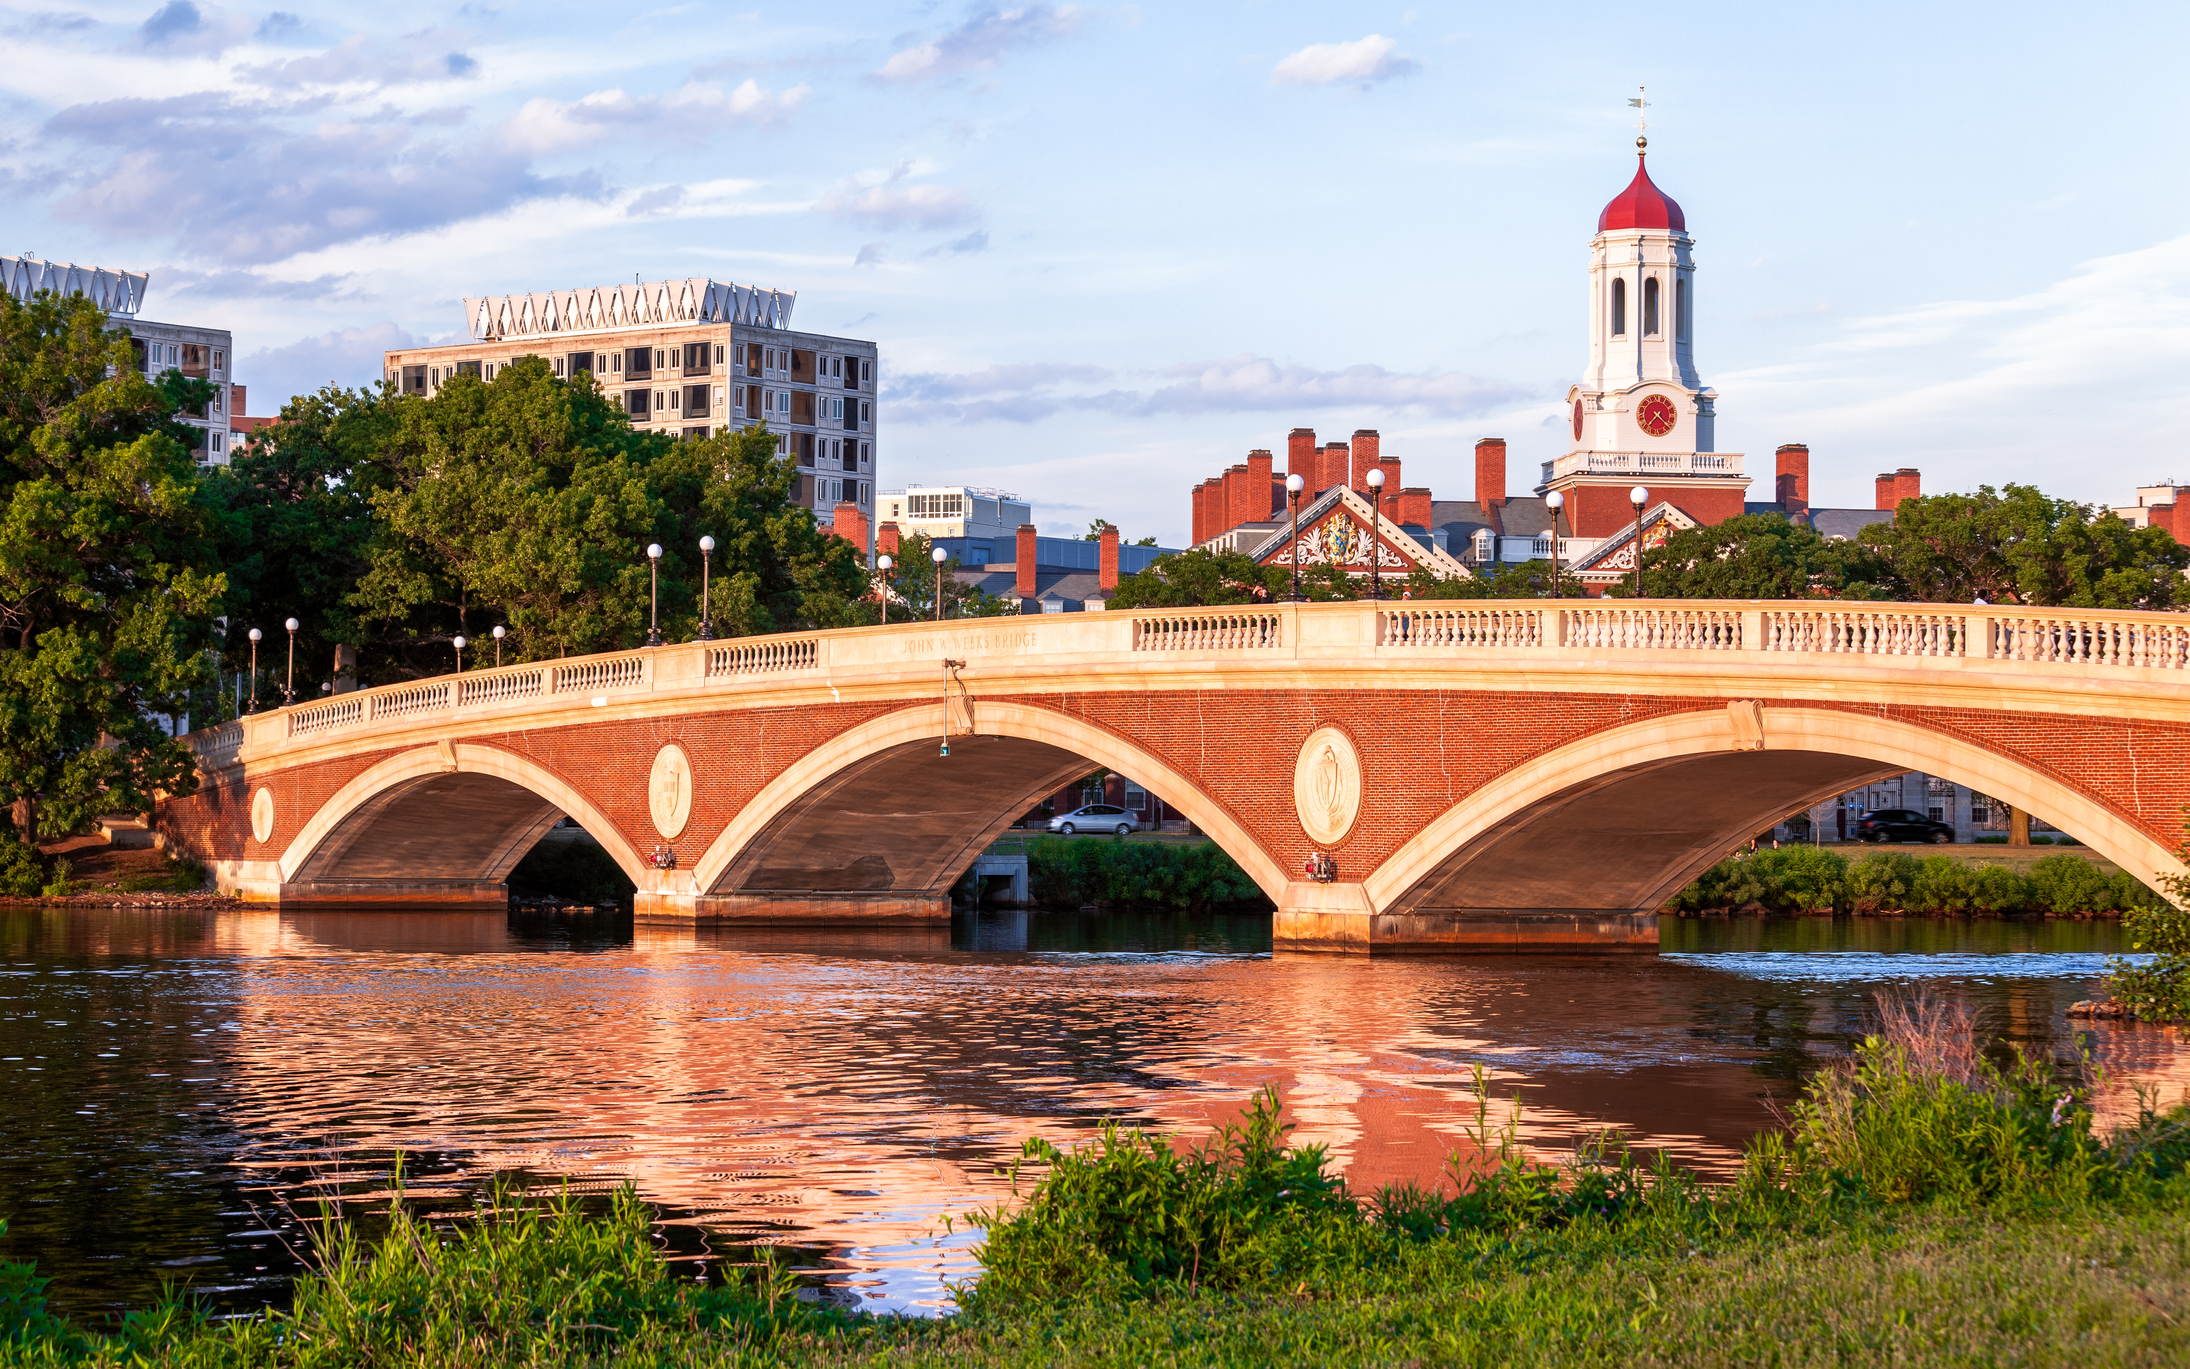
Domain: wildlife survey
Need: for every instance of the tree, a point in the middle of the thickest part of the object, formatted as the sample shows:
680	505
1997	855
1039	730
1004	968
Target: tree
1757	556
1524	580
107	586
1199	577
529	502
912	586
2018	545
1095	534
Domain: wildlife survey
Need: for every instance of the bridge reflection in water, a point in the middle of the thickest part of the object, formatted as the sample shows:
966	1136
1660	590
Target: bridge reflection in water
1487	776
850	1088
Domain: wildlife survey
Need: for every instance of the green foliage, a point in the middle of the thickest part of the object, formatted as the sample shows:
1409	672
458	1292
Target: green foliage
1791	879
1921	1115
1525	580
1199	577
1881	881
913	581
2159	989
579	871
1067	872
22	873
182	876
58	883
24	1318
108	580
2018	545
1757	556
1130	1212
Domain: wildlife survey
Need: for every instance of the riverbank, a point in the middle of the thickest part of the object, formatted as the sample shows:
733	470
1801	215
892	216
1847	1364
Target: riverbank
1924	1207
1895	882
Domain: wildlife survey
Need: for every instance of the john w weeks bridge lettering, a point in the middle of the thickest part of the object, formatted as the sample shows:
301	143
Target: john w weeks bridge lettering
1499	775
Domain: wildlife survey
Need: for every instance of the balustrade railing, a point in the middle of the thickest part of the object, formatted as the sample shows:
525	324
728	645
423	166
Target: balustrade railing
1213	630
1658	629
762	656
2012	640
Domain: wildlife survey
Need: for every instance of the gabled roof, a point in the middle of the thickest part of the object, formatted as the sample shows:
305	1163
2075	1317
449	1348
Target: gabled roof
1615	556
1350	518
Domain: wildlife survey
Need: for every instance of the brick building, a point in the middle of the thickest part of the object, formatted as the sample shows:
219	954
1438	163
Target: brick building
689	357
156	348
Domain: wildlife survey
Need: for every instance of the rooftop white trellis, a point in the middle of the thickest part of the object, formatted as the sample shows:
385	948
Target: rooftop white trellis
638	305
120	293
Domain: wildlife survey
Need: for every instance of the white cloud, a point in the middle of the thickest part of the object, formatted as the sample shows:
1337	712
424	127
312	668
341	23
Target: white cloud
545	125
979	43
1363	62
893	206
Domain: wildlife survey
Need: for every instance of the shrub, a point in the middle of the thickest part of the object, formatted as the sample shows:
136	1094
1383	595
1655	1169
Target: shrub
22	875
59	885
2000	890
1880	881
1792	879
2071	884
1068	872
1943	885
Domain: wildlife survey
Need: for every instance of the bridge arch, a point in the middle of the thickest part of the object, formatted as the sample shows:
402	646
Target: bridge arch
1686	788
834	800
384	837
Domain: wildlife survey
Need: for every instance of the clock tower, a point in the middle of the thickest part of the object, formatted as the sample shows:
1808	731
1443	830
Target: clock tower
1641	416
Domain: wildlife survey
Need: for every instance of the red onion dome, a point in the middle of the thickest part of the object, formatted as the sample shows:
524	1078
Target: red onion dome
1642	204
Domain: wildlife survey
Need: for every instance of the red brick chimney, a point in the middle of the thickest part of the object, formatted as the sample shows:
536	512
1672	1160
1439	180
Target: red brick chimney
1300	460
1257	492
1200	502
1338	463
1106	564
1367	451
235	401
1213	510
1239	502
851	525
1889	490
885	541
1908	483
1490	472
1792	485
1414	507
2163	516
1025	564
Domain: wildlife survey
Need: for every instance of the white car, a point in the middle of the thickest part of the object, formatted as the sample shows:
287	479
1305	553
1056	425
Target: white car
1095	817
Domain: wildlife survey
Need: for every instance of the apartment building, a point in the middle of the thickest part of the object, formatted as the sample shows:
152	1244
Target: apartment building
688	357
156	348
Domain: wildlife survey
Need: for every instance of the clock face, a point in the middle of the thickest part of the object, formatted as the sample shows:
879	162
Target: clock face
1656	415
1577	420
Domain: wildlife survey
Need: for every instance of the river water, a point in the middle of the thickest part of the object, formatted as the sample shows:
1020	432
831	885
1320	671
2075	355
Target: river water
176	1086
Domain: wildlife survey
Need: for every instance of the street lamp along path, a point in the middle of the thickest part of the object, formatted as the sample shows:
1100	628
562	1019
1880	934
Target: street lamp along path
1294	484
939	556
653	594
1638	497
1376	531
255	634
1555	501
499	633
707	557
289	682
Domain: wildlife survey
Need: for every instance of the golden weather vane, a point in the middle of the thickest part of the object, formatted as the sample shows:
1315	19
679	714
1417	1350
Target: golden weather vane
1641	107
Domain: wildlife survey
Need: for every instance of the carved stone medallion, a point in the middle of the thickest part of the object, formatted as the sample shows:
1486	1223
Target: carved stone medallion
1327	786
262	814
669	790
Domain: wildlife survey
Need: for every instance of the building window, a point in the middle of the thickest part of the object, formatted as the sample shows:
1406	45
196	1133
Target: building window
616	363
639	363
719	399
635	402
866	411
1680	310
1650	307
220	360
783	401
866	454
866	493
1619	307
661	357
866	370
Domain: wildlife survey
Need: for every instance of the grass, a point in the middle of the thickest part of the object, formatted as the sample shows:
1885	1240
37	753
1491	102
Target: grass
1925	1205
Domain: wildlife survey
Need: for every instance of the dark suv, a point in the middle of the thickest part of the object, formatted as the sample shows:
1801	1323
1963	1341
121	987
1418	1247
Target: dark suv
1902	824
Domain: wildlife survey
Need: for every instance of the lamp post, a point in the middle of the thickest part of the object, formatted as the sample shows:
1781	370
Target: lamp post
458	643
1376	535
939	556
254	672
499	633
1294	484
707	557
289	683
1638	497
1555	501
882	566
653	594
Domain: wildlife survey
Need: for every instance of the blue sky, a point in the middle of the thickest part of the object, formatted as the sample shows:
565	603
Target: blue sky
1106	250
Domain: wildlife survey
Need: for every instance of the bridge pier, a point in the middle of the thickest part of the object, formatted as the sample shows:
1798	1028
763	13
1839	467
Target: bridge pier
1340	918
792	908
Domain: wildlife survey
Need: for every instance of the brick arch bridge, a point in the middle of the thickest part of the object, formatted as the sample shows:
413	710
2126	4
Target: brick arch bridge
1505	775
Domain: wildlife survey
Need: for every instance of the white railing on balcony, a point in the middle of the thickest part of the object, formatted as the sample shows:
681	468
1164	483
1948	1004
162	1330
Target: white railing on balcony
1643	463
1425	627
323	717
1864	632
406	701
2075	639
503	686
1209	630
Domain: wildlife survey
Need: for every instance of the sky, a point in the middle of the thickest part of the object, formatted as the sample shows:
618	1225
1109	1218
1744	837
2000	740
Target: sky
1106	250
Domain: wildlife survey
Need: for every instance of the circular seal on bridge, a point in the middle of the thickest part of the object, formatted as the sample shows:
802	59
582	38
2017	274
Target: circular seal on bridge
669	790
262	814
1327	786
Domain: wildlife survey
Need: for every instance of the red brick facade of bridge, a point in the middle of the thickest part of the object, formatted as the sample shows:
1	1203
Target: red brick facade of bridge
1422	751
